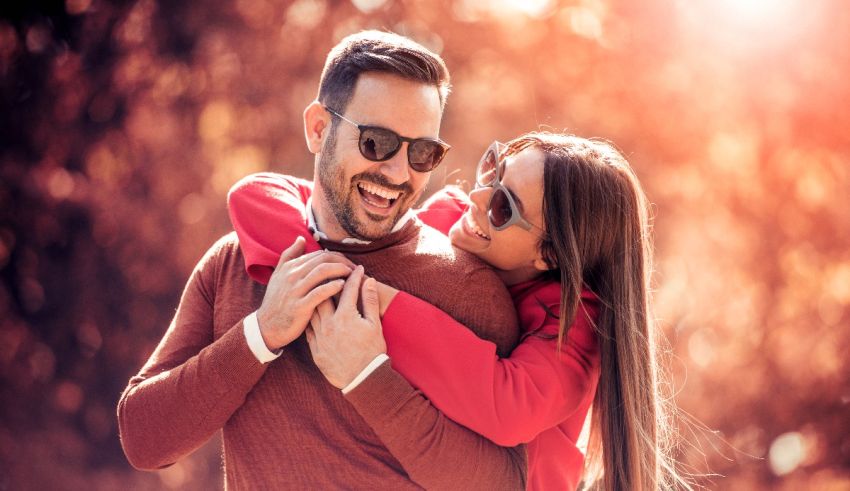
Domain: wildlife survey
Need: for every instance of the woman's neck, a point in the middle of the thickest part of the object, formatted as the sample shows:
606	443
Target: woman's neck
515	276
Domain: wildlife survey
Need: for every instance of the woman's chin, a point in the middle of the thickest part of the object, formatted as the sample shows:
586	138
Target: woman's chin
461	239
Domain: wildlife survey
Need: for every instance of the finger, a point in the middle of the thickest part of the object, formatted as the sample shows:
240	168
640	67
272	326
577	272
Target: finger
319	275
325	310
315	321
291	252
351	291
320	257
311	341
295	262
321	293
371	305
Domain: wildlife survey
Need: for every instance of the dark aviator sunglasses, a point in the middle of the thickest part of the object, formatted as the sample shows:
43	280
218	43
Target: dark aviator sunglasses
379	144
502	210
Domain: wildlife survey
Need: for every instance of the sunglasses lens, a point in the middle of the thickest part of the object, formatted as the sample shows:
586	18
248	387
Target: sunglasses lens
424	155
486	173
500	208
378	144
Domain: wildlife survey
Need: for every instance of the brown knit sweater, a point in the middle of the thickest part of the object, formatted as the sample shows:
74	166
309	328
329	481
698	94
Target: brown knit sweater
284	426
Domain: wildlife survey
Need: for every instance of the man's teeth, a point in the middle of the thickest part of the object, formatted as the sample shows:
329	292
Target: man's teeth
378	191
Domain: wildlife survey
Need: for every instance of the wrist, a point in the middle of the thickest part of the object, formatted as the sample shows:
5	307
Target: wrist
254	337
367	370
271	337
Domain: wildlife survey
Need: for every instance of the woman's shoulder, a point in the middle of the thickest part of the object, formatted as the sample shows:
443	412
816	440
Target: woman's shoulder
538	303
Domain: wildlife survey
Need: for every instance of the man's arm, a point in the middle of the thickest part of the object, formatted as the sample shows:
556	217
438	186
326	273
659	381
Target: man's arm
436	452
191	384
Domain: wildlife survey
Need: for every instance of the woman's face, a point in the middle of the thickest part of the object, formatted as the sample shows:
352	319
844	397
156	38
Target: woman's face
512	250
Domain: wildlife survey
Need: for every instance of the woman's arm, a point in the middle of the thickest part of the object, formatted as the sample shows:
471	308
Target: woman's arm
508	400
436	452
268	212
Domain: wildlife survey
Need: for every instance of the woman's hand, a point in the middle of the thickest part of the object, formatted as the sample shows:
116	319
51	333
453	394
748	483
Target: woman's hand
342	341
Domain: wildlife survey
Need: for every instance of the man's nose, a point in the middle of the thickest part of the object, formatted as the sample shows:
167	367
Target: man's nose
396	169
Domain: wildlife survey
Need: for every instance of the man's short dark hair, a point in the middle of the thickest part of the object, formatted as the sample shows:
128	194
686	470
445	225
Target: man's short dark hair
376	51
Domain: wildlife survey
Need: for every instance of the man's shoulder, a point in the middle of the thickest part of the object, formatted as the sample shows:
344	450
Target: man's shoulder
224	254
436	245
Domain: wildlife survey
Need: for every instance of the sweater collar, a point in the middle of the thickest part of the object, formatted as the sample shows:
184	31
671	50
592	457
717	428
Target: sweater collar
321	236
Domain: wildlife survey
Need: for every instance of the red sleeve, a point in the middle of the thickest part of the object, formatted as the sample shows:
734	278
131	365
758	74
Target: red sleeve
268	212
509	400
444	208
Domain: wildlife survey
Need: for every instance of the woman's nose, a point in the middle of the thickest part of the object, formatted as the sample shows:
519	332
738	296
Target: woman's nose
480	197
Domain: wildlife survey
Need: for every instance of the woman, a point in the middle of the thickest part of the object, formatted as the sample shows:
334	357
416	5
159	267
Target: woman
564	222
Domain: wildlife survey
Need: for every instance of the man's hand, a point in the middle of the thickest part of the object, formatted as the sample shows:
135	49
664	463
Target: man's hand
343	342
297	286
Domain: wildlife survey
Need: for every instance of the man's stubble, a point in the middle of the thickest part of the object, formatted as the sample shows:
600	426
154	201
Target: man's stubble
340	194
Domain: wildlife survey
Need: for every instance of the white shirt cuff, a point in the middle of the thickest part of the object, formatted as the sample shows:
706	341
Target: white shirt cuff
365	372
255	340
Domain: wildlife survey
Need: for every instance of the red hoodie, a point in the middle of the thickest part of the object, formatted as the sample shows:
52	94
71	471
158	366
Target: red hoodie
536	396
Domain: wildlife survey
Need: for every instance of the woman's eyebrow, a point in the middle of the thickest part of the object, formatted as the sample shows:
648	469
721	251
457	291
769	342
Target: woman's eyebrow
515	197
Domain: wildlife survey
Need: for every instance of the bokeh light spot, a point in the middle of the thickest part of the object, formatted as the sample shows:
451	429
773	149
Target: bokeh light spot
787	452
215	121
192	209
701	347
60	183
367	6
38	38
306	14
77	7
68	397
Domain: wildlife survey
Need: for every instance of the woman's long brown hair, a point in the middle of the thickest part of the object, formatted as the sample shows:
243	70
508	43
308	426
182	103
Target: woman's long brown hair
598	237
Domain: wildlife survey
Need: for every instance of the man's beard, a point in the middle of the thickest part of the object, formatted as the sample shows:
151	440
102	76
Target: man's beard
341	196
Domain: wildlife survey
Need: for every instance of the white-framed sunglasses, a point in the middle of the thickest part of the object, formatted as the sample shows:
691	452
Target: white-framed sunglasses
502	210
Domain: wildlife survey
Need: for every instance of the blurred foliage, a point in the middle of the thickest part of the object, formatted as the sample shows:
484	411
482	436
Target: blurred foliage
124	123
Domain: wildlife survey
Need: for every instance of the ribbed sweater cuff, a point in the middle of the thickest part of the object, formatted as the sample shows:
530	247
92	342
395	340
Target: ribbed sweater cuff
380	393
234	362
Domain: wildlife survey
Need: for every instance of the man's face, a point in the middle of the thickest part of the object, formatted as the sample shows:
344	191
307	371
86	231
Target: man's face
365	199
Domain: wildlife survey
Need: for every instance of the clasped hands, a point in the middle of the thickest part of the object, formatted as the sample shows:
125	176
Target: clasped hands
299	298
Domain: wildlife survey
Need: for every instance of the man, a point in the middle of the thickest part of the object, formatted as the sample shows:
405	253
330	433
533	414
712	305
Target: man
234	358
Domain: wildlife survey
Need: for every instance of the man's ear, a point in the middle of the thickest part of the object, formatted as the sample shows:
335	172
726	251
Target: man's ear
316	124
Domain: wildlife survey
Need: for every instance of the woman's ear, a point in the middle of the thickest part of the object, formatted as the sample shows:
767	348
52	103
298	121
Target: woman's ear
540	264
316	122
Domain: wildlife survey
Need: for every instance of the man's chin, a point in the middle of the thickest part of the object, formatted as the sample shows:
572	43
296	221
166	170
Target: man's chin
373	227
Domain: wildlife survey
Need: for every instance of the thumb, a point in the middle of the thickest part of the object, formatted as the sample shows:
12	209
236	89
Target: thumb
371	305
293	251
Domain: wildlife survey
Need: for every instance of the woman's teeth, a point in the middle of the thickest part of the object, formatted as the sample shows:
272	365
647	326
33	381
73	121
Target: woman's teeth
473	225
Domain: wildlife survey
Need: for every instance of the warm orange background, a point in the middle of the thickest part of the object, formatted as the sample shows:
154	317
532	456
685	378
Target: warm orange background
124	124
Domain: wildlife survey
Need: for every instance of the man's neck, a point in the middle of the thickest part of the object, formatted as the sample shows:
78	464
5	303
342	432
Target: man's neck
325	220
